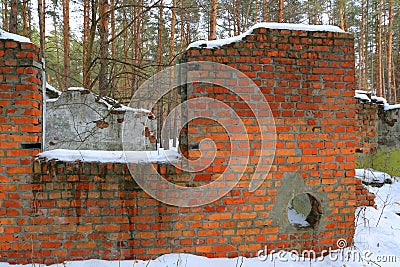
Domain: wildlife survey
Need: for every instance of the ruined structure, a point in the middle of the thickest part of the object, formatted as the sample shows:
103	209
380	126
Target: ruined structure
379	140
78	119
53	210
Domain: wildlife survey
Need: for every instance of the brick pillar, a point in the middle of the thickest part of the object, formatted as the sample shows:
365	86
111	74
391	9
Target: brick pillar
20	135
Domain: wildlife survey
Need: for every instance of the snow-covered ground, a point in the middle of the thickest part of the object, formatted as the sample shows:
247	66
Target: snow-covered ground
377	242
370	176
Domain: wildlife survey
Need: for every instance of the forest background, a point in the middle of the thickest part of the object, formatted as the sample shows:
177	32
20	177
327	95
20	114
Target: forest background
112	46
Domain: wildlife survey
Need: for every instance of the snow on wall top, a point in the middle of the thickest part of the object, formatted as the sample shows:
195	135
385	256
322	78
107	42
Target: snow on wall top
52	89
161	156
367	96
76	89
11	36
268	25
111	103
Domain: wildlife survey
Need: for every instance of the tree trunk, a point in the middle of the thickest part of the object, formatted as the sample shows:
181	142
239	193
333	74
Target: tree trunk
160	104
213	20
59	77
103	34
247	19
188	32
237	18
280	11
231	23
366	47
13	16
389	53
87	81
67	64
315	13
265	11
171	97
172	34
386	93
5	15
114	43
113	82
24	16
182	43
29	34
42	23
86	14
160	37
395	79
137	32
341	14
256	13
126	48
233	8
361	63
378	71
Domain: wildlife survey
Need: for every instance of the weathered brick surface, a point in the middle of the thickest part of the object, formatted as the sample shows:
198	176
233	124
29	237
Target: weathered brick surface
20	102
54	211
308	81
364	197
367	123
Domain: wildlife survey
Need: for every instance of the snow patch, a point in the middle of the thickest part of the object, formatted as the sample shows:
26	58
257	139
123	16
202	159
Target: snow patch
379	100
295	218
113	104
52	100
371	176
76	89
268	25
389	107
160	156
52	89
367	97
383	101
15	37
362	97
363	92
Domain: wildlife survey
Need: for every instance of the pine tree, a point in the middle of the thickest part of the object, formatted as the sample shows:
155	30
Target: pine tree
12	26
66	32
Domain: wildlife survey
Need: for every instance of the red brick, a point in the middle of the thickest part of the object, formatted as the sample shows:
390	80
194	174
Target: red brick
11	44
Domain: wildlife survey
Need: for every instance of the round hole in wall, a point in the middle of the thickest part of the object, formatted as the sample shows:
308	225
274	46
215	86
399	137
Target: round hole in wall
304	210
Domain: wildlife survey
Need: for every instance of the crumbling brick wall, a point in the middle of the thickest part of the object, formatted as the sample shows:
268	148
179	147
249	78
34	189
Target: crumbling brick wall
68	211
367	123
378	138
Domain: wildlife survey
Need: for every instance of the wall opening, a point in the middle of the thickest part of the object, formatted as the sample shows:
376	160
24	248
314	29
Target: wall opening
34	145
304	210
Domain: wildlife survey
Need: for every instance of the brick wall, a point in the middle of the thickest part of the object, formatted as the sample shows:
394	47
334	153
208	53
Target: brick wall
20	135
308	81
367	123
366	144
378	139
71	211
